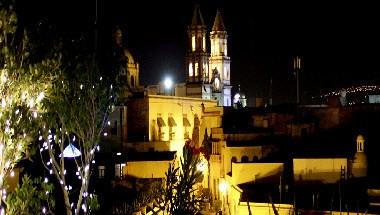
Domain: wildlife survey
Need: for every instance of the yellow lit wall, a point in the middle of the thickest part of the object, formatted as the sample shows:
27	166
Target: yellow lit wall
249	172
325	170
146	169
143	115
263	209
239	152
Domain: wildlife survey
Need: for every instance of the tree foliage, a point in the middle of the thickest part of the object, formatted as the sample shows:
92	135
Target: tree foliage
23	85
180	190
32	197
77	114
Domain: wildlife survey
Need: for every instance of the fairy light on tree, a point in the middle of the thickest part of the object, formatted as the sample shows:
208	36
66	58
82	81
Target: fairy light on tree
23	86
81	102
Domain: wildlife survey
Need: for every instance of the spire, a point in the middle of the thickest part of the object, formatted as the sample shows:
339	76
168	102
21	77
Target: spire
218	23
197	17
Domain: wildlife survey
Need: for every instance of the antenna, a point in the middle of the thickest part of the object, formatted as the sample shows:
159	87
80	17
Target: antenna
297	66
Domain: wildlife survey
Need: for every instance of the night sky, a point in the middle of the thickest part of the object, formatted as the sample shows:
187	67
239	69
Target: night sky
339	42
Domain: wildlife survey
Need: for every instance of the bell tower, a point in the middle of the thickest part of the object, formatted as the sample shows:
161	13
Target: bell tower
197	71
220	62
197	57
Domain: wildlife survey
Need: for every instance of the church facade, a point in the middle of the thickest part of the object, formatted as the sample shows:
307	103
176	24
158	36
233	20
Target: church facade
208	74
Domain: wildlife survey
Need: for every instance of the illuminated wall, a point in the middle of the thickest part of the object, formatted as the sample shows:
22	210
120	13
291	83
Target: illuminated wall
250	172
146	169
238	153
324	170
163	119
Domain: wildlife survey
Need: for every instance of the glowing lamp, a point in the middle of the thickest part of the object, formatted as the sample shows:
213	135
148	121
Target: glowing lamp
168	83
223	187
71	151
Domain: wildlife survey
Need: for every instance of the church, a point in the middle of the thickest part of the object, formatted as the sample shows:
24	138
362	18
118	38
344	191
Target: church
207	74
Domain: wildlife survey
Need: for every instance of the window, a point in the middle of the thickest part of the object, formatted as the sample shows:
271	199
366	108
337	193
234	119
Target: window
233	159
204	44
193	42
196	70
171	123
132	81
101	170
190	69
161	124
244	159
225	48
119	170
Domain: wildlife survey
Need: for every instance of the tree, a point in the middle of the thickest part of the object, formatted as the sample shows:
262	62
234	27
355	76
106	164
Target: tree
30	197
180	190
78	113
24	83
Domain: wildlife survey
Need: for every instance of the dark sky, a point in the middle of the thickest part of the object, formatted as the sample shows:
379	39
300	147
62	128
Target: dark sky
339	41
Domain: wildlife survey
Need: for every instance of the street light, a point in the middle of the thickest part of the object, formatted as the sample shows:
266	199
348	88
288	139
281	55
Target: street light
168	83
223	187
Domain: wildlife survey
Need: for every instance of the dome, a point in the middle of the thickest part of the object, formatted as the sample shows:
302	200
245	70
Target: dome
129	56
359	138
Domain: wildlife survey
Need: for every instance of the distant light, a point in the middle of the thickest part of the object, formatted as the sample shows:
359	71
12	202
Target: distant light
168	83
119	153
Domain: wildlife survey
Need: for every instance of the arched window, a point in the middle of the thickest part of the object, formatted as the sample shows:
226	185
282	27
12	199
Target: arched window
132	81
233	159
255	158
244	159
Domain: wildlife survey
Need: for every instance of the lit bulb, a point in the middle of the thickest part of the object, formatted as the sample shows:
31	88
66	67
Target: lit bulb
40	96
